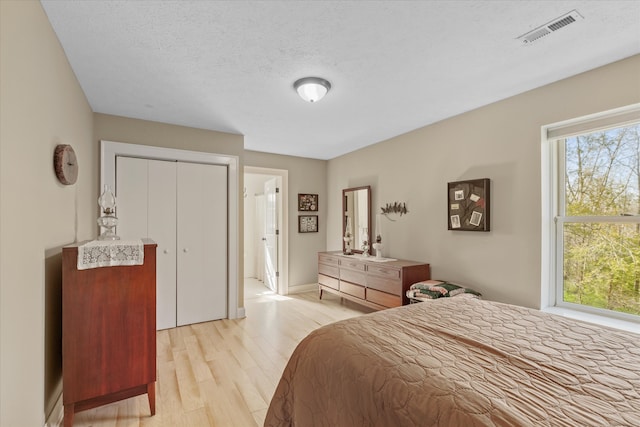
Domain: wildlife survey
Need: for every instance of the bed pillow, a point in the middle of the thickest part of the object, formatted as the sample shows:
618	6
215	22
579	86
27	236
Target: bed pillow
433	289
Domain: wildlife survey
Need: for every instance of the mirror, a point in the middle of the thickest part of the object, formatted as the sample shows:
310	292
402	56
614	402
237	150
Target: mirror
356	209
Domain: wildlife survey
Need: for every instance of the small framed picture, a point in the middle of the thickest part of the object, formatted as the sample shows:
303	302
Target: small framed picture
307	202
476	217
307	223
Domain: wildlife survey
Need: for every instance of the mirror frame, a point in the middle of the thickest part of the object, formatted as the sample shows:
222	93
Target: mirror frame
344	217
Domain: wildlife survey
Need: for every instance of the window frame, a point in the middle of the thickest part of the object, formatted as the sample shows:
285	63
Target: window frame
553	219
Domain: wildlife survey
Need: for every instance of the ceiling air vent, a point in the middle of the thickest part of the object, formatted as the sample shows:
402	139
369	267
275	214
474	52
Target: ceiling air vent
550	27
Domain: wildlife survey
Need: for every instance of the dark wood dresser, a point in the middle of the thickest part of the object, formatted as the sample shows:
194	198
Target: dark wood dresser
108	332
377	285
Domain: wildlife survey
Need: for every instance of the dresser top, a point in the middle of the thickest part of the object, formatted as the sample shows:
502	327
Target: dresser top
371	259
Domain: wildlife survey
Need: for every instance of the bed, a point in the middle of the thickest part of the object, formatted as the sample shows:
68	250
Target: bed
460	362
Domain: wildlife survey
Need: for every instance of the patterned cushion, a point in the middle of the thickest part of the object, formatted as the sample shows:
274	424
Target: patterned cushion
433	289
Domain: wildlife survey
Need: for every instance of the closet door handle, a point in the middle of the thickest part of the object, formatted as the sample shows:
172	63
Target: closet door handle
185	250
166	251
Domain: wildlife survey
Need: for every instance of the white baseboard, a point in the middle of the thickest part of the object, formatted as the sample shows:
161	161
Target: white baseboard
57	414
241	313
303	288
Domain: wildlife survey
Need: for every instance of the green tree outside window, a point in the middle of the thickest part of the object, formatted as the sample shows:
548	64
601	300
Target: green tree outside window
601	255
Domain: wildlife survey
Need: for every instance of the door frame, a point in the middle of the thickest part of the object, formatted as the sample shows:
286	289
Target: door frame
283	223
109	150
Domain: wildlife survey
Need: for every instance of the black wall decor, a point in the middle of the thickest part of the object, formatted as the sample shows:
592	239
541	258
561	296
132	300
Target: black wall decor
468	205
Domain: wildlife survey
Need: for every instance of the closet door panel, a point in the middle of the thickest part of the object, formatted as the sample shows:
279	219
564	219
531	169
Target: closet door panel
162	228
202	243
131	197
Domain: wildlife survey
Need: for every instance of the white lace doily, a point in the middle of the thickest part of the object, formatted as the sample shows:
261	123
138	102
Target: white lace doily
103	253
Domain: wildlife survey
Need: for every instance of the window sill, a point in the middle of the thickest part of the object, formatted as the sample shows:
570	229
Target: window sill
594	318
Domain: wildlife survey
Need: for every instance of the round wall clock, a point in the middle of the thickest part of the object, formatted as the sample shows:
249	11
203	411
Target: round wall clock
65	164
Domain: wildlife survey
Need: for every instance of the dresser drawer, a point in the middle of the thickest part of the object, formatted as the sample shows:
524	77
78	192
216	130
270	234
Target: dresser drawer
384	271
351	289
328	259
353	276
384	298
392	286
352	264
328	270
328	281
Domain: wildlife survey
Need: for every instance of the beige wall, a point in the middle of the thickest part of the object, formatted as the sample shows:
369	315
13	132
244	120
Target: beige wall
305	176
143	132
42	105
500	141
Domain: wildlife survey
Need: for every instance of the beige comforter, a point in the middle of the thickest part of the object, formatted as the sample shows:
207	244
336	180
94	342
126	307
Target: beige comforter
460	363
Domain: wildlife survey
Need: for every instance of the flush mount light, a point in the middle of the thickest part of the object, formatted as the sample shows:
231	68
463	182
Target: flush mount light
312	89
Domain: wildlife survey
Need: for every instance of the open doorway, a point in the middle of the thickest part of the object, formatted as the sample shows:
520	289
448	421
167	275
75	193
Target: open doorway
265	231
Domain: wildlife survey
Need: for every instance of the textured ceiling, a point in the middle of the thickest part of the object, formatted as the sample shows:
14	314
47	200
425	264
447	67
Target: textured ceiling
394	66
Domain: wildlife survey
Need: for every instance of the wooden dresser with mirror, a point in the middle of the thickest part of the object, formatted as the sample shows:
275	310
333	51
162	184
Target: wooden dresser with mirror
372	282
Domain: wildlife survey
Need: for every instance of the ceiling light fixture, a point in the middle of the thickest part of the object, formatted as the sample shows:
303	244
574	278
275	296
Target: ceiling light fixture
312	89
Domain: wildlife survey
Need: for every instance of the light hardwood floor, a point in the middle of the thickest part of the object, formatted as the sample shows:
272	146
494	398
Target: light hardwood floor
223	373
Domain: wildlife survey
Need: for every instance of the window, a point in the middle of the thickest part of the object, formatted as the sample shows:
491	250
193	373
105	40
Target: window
593	203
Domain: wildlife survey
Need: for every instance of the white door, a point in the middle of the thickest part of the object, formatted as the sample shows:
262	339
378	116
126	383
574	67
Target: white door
271	235
161	224
146	207
259	233
202	242
132	183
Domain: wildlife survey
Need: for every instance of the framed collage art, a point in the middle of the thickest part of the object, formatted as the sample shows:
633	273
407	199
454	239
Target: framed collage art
308	202
468	205
307	223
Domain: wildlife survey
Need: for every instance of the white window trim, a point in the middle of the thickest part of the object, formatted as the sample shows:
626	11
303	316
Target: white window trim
551	256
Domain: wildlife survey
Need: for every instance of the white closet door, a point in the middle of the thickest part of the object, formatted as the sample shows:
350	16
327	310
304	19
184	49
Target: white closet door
131	197
146	207
202	243
162	228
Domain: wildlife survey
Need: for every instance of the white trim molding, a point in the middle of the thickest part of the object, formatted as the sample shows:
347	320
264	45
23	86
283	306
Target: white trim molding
283	248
